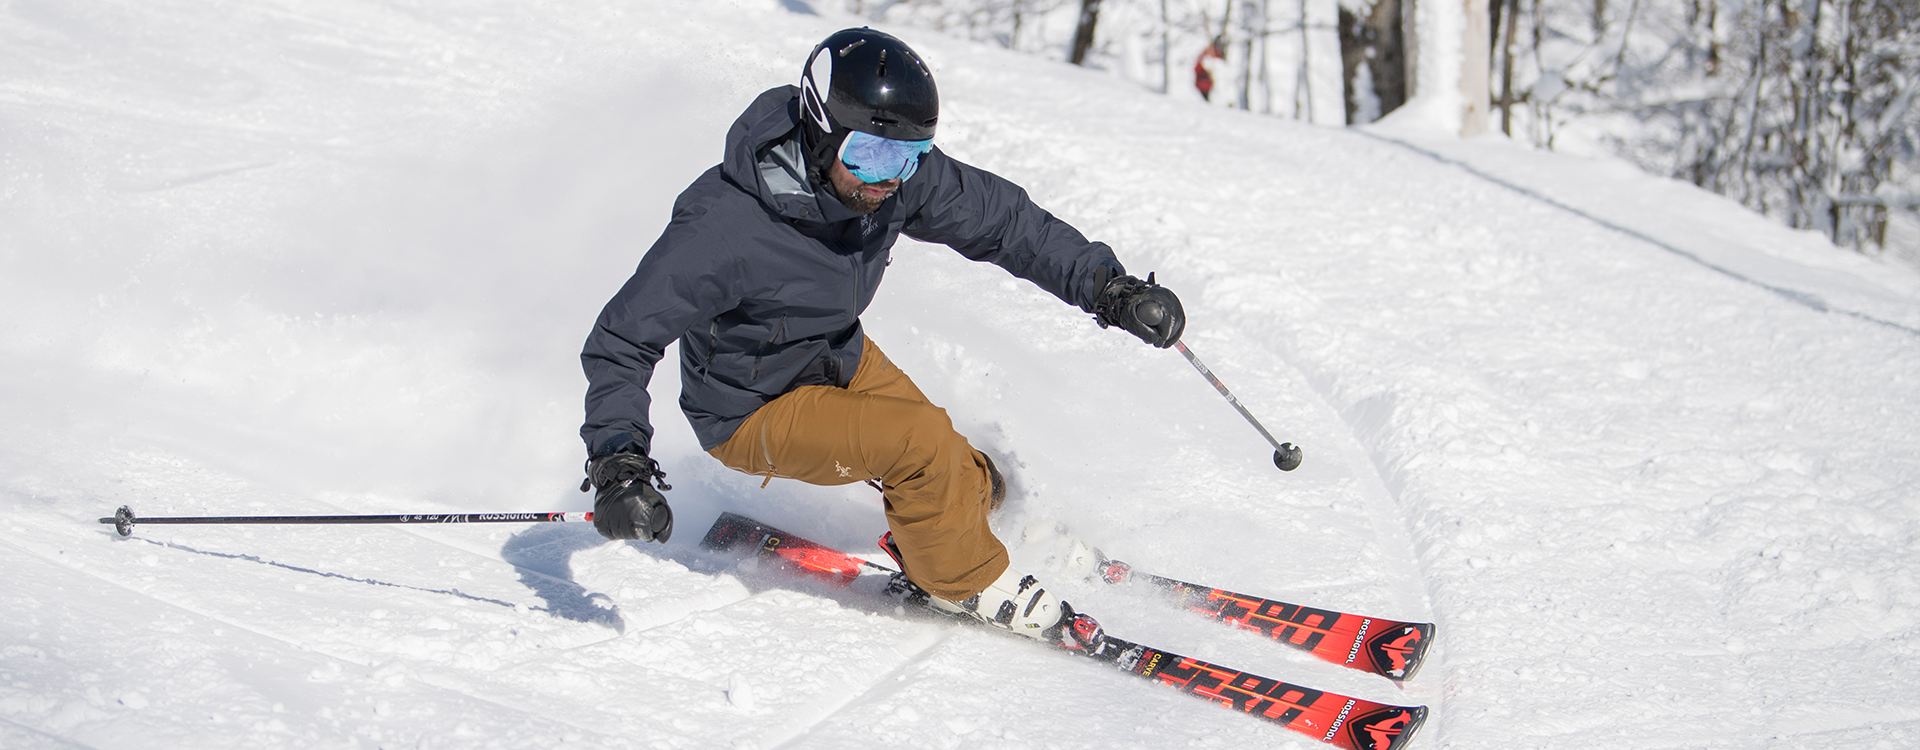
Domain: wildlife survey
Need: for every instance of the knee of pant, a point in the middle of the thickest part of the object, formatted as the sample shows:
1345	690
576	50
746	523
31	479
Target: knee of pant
927	428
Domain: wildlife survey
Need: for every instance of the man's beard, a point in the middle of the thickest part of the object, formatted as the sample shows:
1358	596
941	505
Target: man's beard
858	201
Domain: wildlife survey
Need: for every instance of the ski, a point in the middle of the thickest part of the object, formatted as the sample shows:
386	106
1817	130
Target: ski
1340	720
1389	648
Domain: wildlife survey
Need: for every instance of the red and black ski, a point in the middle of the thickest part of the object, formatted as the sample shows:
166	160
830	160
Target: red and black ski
1389	648
1343	721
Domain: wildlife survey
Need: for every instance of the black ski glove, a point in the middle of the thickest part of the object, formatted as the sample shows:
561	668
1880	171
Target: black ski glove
1142	308
627	506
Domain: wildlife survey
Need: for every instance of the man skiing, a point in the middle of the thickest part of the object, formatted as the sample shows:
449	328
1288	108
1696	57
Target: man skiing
761	275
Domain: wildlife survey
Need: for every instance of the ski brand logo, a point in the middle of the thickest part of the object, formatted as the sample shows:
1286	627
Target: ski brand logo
1359	639
1380	729
1393	654
1340	721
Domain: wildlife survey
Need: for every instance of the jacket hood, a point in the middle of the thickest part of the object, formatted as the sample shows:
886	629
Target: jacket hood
763	157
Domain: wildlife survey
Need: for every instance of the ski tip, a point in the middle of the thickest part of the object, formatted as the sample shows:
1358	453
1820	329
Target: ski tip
1419	658
1416	718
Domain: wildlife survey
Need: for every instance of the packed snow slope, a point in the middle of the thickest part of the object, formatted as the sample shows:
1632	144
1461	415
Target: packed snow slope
1651	463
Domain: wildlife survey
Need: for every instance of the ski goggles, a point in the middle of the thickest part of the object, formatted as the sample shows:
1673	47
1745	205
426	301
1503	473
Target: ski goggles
875	159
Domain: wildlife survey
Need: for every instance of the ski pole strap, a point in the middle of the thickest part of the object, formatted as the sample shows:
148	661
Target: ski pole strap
124	520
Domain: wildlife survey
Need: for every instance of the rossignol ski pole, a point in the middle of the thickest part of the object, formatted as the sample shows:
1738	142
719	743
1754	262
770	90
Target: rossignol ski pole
1285	455
123	520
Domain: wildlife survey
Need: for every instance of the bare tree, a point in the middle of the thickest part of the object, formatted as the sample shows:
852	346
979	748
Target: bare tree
1083	32
1820	118
1504	46
1373	60
1800	109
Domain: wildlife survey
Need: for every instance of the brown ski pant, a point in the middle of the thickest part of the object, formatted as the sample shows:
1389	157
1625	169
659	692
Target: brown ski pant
882	427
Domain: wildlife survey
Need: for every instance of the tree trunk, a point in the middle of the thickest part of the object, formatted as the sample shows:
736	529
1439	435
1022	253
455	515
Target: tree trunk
1083	34
1376	42
1266	83
1166	51
1475	70
1410	33
1246	54
1304	88
1506	66
1496	6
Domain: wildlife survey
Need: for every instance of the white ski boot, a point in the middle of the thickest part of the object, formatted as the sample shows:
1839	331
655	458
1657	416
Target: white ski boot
1015	602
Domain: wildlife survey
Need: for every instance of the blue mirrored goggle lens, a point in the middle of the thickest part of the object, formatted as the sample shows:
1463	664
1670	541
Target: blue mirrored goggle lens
875	159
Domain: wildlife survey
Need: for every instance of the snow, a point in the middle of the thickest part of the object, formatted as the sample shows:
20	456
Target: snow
1648	460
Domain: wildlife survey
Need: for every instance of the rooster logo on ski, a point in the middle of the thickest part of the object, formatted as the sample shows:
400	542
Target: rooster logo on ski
1394	650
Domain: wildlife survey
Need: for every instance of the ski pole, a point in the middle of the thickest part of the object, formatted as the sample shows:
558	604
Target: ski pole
1285	455
123	520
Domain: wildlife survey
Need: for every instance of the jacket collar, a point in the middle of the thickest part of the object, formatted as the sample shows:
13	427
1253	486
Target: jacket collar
764	158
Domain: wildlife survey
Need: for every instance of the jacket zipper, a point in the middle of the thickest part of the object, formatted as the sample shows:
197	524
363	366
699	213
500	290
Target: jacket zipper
766	455
713	339
754	374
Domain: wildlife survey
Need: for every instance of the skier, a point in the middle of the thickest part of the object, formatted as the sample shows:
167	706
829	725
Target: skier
761	275
1204	68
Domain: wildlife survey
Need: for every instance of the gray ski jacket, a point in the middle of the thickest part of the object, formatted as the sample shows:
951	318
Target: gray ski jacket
762	278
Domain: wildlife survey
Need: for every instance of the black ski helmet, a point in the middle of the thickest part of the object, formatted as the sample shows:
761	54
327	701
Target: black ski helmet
861	79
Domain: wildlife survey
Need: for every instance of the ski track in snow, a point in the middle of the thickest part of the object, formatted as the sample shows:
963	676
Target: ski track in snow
1812	301
831	706
278	258
190	681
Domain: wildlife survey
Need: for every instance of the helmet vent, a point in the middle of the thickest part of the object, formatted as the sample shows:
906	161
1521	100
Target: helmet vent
883	64
850	48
